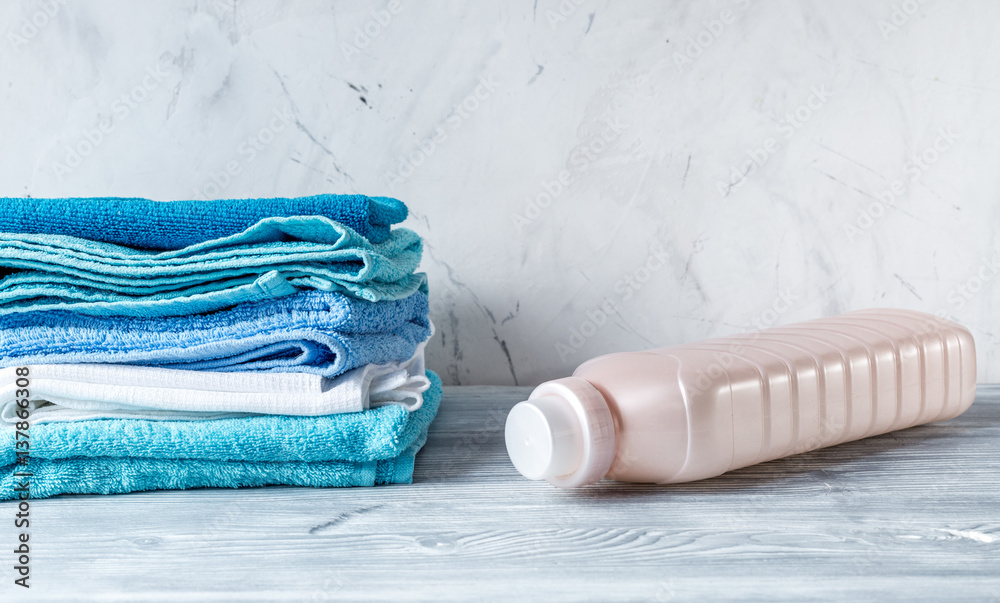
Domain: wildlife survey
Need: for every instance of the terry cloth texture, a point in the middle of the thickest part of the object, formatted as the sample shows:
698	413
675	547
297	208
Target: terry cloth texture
177	224
77	392
274	258
376	446
310	332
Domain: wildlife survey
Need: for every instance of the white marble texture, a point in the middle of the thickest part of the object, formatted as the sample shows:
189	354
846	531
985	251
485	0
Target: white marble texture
470	111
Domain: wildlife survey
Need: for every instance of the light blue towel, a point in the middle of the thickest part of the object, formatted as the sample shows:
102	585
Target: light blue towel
177	224
274	258
309	332
376	446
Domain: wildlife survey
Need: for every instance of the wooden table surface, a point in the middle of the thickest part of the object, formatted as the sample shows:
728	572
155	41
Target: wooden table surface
913	515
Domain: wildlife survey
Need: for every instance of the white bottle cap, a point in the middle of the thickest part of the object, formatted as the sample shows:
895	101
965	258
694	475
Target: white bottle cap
544	438
563	433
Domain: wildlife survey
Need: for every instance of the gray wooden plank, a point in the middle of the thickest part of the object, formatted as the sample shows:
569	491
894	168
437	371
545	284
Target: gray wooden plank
913	514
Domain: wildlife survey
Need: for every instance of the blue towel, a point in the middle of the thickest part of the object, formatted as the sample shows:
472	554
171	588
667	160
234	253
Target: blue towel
274	258
309	332
376	446
177	224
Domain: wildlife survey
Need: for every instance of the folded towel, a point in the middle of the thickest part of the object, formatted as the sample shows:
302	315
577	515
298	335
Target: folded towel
376	446
121	476
76	392
274	258
310	332
177	224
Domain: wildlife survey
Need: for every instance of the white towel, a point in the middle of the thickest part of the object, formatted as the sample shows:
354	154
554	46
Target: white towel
74	392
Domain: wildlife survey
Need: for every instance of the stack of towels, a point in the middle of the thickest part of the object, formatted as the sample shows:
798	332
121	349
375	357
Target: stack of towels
170	345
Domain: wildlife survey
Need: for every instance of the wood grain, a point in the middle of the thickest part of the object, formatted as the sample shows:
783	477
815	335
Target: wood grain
910	515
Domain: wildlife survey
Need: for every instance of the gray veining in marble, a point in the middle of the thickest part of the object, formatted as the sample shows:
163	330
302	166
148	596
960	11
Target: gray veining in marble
591	176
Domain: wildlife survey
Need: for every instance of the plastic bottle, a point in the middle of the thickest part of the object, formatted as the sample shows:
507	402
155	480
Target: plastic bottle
698	410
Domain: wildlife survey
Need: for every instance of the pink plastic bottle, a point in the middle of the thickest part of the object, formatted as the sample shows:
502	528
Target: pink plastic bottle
699	410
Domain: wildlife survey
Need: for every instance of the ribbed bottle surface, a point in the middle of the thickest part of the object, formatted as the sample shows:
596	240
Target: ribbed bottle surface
834	380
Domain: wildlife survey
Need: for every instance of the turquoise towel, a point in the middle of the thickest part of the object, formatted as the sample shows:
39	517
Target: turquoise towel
376	446
177	224
309	332
274	258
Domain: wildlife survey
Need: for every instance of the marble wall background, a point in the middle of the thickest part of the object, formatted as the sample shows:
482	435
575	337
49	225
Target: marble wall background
591	176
